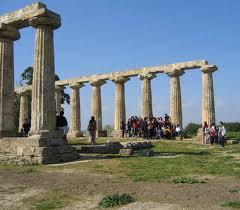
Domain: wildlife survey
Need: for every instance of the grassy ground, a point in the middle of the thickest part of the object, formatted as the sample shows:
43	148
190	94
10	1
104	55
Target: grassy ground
175	163
171	159
233	135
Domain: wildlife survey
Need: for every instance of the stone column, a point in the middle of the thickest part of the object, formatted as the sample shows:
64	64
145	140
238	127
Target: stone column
146	107
43	87
208	106
58	97
75	116
119	106
24	109
97	105
175	96
8	34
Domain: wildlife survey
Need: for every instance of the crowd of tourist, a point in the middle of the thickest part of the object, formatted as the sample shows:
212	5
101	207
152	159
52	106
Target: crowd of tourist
150	128
214	134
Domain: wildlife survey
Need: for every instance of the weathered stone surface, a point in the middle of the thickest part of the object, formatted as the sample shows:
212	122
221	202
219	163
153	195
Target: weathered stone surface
126	152
146	106
97	103
208	106
41	151
119	102
20	18
24	112
232	141
175	96
7	35
75	116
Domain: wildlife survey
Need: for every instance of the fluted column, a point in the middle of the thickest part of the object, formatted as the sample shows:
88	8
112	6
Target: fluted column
24	109
8	34
43	87
146	107
208	106
175	96
119	106
97	105
75	116
58	97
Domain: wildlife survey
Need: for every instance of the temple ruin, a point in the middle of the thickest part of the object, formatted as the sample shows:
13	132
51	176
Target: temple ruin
45	144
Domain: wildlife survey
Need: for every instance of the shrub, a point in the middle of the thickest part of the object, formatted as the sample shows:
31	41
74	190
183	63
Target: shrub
191	129
115	200
232	126
188	180
233	204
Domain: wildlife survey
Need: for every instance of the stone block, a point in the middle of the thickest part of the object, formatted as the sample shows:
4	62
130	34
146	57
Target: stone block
126	152
232	141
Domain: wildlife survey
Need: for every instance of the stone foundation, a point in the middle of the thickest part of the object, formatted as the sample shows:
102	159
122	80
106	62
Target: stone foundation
36	150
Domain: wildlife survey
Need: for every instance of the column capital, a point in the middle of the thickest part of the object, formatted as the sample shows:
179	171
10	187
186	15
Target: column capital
9	32
52	22
175	72
24	93
59	87
146	76
76	85
99	82
120	79
209	68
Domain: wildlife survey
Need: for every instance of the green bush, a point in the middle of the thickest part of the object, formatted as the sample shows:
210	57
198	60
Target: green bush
233	204
188	180
191	129
232	126
115	200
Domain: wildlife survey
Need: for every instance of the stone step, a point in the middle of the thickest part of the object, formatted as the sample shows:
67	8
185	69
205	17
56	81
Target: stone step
232	141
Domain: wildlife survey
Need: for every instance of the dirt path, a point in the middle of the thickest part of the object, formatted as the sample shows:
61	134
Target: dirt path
90	188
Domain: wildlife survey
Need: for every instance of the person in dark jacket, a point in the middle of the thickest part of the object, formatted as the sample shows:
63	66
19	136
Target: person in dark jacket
144	128
61	123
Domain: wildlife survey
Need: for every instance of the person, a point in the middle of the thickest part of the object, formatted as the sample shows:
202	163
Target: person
167	119
129	127
221	134
144	128
212	132
205	131
92	127
61	123
178	131
123	128
26	127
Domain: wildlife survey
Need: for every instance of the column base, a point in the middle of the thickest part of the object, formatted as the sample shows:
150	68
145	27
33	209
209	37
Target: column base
74	134
101	133
117	133
36	149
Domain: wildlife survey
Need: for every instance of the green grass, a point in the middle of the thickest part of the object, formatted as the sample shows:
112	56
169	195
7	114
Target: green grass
233	204
233	135
171	159
48	200
114	200
234	190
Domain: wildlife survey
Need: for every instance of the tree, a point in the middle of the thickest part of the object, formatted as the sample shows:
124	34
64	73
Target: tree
27	78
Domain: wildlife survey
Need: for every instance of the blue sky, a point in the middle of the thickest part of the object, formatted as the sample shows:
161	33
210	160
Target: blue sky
105	36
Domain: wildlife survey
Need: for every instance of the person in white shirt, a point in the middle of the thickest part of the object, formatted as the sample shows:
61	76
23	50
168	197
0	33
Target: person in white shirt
179	132
222	134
